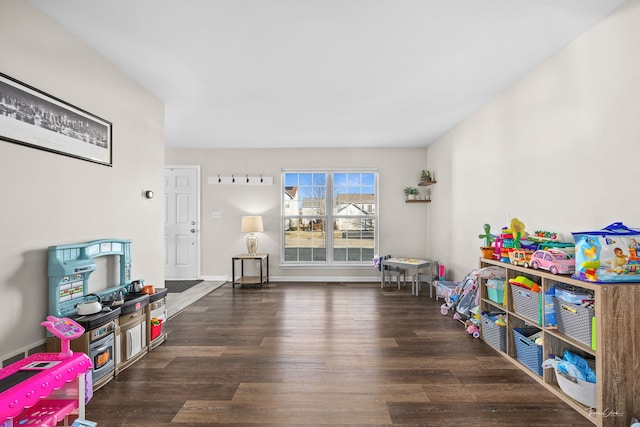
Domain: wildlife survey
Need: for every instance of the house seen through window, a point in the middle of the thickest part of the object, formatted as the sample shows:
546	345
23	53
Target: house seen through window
329	217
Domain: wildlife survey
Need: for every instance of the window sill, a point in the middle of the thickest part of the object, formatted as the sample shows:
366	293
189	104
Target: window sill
325	266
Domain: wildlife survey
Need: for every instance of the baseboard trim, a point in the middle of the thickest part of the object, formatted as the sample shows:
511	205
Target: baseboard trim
349	279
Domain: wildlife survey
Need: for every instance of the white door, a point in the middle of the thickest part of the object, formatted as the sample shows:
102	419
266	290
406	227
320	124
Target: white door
182	228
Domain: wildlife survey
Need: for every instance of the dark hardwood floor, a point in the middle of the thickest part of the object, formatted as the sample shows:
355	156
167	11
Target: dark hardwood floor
323	354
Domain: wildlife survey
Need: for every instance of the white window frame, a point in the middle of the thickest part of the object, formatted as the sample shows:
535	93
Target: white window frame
328	218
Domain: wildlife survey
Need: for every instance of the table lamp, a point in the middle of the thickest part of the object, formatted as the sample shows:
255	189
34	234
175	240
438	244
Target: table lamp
251	224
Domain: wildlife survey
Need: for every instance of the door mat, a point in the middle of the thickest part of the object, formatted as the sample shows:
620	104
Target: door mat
177	286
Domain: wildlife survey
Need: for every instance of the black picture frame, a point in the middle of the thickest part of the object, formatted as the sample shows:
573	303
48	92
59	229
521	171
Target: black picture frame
31	117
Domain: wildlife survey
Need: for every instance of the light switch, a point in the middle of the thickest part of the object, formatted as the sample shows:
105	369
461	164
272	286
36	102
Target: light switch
216	215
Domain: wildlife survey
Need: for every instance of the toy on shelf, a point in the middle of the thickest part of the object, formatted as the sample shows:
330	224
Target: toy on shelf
487	236
500	321
525	282
516	228
547	240
609	255
514	238
505	243
550	319
520	257
542	235
487	248
554	261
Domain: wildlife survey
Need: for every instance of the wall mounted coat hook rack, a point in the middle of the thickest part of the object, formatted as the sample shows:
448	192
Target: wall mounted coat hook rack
255	179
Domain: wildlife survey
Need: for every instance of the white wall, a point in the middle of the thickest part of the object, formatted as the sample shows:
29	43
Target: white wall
49	199
402	226
559	150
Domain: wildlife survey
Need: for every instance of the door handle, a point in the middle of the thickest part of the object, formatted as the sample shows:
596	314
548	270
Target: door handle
193	230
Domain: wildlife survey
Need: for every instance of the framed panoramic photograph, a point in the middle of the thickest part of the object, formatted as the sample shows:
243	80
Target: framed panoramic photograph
31	117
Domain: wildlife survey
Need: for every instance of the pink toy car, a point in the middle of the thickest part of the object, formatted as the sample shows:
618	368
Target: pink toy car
553	260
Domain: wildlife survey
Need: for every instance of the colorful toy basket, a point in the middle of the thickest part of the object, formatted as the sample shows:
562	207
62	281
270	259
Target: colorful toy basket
526	303
574	320
528	352
495	290
492	333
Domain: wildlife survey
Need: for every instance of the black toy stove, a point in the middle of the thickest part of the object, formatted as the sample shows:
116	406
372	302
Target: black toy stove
93	321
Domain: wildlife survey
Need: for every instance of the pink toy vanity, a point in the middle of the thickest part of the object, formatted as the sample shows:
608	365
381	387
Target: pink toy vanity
46	388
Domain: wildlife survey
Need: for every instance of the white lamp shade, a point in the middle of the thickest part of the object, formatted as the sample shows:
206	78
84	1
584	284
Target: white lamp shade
251	224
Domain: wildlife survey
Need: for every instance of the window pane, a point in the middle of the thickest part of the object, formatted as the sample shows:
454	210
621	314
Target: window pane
354	193
305	239
313	193
304	178
291	201
319	254
353	239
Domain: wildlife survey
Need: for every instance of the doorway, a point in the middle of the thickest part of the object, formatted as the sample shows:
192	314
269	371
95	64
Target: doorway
182	222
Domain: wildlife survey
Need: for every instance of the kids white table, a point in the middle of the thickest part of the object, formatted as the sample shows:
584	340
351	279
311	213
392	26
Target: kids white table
408	264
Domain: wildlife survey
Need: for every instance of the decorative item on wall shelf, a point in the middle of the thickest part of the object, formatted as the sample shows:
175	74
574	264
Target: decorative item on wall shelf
411	192
426	178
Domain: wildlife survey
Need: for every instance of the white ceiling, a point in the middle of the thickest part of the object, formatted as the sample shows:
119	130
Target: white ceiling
323	73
